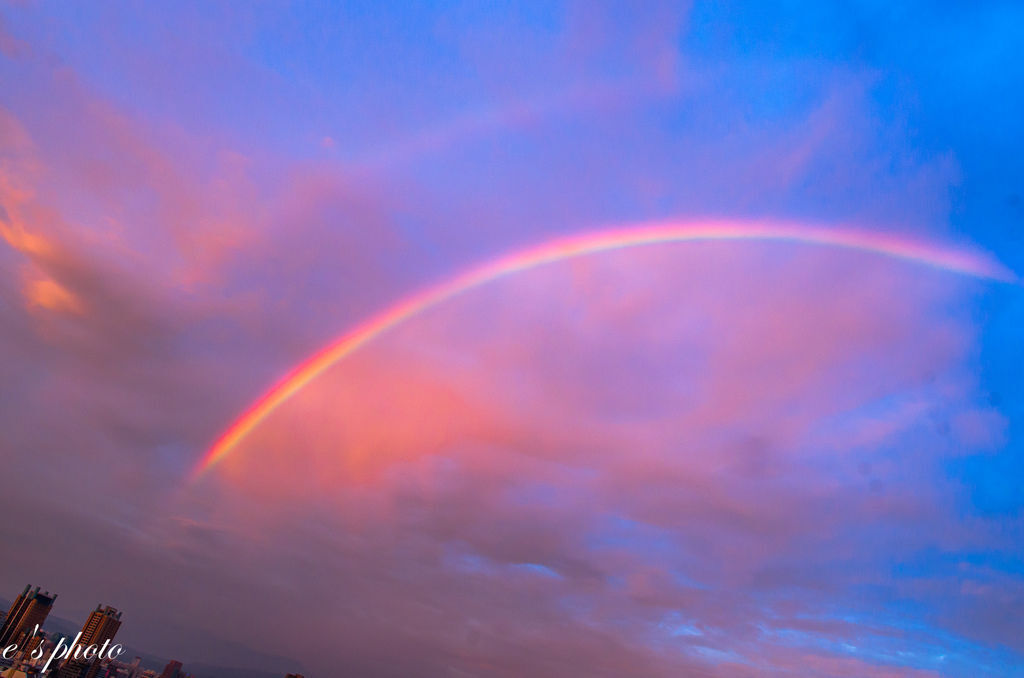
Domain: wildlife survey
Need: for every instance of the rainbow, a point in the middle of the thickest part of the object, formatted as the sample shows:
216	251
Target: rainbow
944	258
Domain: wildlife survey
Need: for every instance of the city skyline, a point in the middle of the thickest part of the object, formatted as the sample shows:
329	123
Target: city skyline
41	651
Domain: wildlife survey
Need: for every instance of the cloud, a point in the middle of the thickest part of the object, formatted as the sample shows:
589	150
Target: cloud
707	459
686	433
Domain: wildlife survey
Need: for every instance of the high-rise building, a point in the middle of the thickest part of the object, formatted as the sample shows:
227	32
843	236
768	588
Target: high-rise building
101	626
172	670
30	608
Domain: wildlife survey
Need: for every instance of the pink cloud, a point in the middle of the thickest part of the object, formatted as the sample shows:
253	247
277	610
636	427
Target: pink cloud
675	461
634	435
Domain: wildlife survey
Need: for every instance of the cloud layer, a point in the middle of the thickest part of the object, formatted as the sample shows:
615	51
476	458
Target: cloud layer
694	459
702	459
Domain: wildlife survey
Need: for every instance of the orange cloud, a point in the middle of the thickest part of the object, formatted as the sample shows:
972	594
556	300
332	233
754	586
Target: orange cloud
49	294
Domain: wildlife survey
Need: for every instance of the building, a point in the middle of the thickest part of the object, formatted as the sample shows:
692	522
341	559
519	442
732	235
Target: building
172	670
73	668
30	608
100	628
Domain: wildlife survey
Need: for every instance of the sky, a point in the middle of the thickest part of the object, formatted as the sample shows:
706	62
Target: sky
723	458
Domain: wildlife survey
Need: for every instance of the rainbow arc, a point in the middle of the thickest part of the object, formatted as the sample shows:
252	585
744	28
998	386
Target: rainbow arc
949	259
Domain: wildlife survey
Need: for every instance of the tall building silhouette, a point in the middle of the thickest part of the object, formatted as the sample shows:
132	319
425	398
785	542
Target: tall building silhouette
29	608
172	670
100	627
